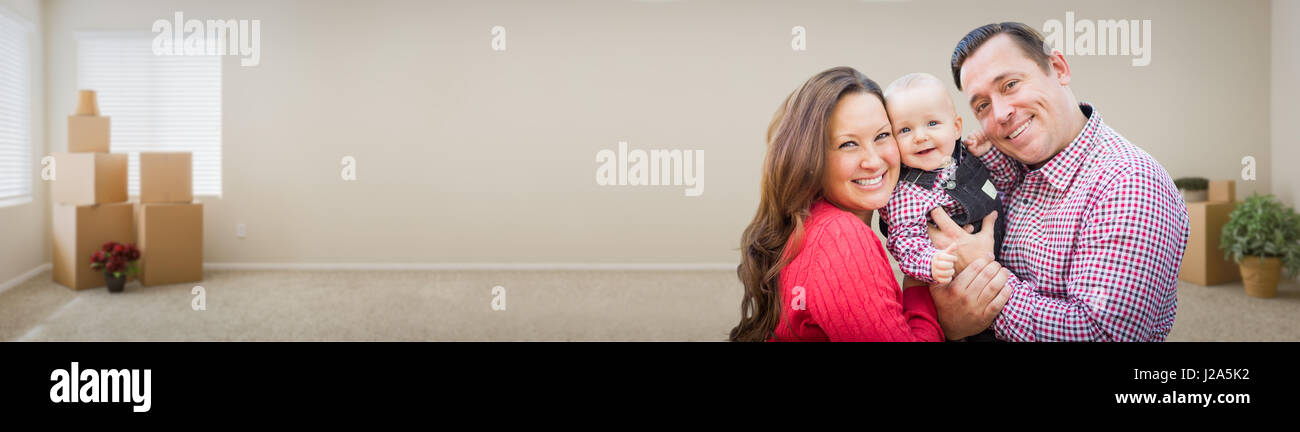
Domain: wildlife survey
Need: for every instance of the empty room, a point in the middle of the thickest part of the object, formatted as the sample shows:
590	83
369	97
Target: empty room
298	170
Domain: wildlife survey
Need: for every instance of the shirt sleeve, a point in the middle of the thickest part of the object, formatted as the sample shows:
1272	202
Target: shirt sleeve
1121	278
854	296
1003	171
908	239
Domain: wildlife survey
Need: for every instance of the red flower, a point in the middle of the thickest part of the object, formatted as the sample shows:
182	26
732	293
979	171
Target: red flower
114	257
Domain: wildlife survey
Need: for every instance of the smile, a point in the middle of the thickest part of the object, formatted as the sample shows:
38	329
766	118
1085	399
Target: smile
869	181
1021	129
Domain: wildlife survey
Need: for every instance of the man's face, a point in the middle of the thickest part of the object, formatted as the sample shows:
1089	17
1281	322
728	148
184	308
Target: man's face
1024	112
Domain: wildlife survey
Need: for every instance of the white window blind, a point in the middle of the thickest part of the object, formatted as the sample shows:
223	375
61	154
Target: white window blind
156	102
15	111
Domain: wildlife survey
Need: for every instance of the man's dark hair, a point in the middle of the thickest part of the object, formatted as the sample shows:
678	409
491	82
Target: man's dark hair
1029	40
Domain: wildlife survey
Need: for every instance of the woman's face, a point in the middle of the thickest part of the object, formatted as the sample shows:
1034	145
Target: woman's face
862	160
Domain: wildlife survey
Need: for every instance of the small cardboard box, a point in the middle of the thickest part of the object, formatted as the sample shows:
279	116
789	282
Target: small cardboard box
1203	262
89	178
166	177
1222	191
78	232
170	242
88	134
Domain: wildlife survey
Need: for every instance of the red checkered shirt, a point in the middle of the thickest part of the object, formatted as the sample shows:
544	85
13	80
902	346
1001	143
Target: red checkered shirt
1094	239
907	214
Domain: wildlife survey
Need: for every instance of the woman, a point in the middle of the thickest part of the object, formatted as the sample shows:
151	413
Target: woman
813	270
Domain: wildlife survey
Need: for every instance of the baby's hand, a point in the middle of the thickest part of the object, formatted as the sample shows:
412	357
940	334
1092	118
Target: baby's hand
977	144
942	267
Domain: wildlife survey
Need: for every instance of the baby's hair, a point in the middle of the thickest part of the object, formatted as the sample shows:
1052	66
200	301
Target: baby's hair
914	80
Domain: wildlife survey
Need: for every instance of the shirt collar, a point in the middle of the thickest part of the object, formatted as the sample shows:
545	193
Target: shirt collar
1061	169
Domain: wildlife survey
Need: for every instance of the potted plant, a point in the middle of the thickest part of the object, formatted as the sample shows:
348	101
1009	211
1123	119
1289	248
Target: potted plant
118	262
1263	237
1194	189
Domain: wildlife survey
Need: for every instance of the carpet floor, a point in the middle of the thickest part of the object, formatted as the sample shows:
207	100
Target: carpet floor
458	306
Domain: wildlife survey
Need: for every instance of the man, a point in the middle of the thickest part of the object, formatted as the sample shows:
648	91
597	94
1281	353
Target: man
1095	228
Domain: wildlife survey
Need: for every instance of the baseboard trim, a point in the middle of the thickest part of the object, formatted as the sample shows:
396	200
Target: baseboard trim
25	276
471	266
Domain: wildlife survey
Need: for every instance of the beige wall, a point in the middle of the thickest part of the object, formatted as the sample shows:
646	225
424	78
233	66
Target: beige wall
1285	94
1286	91
23	244
467	155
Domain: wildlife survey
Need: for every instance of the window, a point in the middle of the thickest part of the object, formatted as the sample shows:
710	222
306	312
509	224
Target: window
15	111
156	102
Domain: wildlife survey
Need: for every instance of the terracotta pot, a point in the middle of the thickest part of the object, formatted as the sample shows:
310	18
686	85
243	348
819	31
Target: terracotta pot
1260	275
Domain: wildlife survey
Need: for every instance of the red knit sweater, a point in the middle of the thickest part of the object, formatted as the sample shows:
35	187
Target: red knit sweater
841	288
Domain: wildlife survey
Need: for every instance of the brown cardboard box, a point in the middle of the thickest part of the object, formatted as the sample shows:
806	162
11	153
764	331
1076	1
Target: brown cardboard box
1203	262
88	134
89	178
170	242
79	231
1223	191
165	178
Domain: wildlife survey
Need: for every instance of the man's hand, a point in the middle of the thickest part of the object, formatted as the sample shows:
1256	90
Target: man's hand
977	144
973	299
966	246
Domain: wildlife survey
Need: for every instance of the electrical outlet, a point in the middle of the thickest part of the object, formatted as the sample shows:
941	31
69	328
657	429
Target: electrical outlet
239	231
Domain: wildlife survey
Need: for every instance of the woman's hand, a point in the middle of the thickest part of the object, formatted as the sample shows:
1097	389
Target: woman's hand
960	242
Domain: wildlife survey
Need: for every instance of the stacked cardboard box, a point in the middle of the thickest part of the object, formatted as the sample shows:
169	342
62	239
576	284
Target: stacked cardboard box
169	222
89	195
1204	262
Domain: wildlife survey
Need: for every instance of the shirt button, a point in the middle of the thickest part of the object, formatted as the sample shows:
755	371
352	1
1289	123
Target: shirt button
950	185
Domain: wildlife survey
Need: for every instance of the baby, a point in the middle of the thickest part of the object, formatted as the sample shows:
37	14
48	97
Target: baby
938	171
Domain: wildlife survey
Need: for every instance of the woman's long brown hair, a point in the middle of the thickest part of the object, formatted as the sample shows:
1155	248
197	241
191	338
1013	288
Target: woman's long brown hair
797	142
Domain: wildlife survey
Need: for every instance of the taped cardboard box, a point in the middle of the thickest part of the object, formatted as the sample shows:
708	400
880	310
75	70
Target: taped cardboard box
88	134
89	178
170	239
166	177
1203	262
79	231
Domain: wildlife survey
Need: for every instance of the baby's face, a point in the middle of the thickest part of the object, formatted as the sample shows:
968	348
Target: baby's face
925	125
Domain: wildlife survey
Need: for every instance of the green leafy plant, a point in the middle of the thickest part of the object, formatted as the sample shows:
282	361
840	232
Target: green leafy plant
1192	183
1261	226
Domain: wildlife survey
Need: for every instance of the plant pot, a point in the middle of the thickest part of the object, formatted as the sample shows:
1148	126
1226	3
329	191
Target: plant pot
118	284
1260	275
1195	195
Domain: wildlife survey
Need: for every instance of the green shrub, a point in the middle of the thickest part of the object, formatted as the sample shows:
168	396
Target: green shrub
1261	226
1192	183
